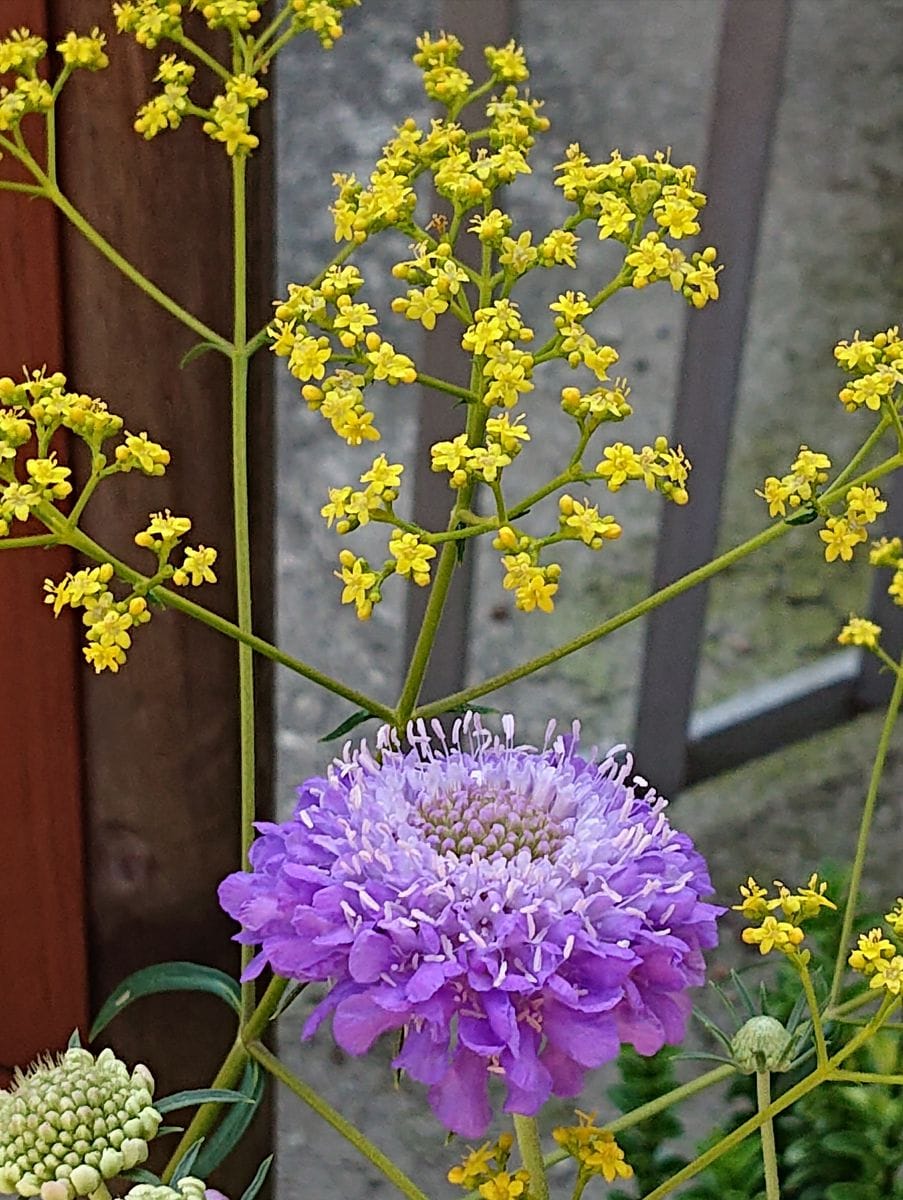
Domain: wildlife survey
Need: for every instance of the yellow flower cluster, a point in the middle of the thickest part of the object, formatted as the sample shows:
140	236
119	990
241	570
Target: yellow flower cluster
20	54
533	585
229	119
582	521
39	406
842	535
878	366
660	466
796	908
860	632
808	471
878	958
350	508
108	621
888	552
486	461
621	194
595	1149
485	1170
166	110
332	310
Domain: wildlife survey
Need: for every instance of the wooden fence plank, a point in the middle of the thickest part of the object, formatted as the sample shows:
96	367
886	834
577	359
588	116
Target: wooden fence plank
161	739
42	943
750	69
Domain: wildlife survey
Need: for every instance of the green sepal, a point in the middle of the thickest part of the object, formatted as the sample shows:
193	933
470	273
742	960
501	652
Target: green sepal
168	977
75	1041
140	1175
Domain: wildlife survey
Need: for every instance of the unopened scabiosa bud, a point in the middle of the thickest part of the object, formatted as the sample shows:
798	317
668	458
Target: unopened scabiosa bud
187	1188
762	1044
67	1125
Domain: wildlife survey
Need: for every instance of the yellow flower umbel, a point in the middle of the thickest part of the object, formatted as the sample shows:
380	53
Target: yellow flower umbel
878	958
878	366
595	1150
67	1125
486	1168
772	933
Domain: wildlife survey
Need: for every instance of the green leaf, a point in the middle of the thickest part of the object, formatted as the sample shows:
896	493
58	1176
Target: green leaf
165	1129
804	515
232	1128
186	1162
167	977
139	1175
257	1182
196	351
199	1096
289	996
356	718
75	1041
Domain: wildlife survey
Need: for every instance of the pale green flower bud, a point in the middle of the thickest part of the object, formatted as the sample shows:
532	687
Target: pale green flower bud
762	1044
67	1125
188	1188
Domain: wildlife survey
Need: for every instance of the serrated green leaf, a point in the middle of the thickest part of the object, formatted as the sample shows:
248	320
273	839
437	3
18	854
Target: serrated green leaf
352	722
257	1182
167	977
196	351
186	1162
194	1096
232	1128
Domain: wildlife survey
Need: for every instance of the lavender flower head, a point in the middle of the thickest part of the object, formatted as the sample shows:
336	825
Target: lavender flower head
518	913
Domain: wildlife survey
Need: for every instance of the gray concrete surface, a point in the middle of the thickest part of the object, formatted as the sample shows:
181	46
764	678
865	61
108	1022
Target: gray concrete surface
634	75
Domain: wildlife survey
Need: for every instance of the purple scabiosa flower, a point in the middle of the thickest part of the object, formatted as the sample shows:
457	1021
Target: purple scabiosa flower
517	913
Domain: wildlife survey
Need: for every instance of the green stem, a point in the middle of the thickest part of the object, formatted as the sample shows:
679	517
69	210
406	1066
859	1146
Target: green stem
865	825
738	1135
662	596
343	1126
28	189
200	54
817	1026
242	533
861	454
766	1133
867	1077
230	1072
80	542
531	1155
87	230
599	631
27	543
441	385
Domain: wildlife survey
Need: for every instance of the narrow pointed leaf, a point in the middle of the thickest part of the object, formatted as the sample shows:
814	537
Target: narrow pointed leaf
75	1041
186	1162
167	977
196	351
352	722
140	1175
257	1182
232	1128
194	1096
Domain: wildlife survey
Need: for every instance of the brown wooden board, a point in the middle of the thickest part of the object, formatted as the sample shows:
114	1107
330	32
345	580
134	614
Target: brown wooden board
42	903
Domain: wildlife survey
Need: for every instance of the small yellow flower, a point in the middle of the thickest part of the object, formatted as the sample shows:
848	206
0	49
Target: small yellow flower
607	1158
871	949
619	464
841	538
895	918
86	52
139	453
860	632
104	657
197	567
359	583
504	1186
412	557
753	905
888	974
774	934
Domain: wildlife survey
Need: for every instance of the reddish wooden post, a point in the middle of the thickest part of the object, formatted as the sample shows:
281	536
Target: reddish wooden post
42	928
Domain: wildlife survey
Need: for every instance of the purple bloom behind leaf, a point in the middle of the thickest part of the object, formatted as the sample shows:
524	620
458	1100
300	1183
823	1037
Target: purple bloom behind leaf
517	913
